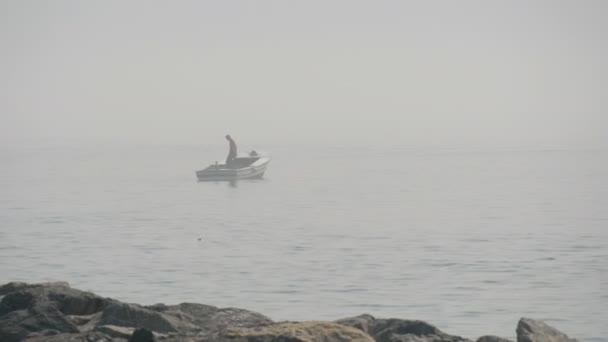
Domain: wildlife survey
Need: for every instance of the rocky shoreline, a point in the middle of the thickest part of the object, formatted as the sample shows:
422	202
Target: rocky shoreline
55	312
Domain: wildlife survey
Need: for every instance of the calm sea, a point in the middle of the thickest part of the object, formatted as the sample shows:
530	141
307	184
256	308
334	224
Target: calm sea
468	240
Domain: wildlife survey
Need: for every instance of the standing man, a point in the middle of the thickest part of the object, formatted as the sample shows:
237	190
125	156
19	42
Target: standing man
231	153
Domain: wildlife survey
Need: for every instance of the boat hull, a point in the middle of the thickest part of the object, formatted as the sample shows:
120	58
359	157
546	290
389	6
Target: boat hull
217	173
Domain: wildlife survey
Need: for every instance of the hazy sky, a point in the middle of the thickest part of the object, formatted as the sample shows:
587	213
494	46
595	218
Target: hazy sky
402	72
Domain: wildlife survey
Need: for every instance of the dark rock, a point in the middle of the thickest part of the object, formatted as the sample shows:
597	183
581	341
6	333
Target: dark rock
142	335
47	316
16	325
200	311
69	301
18	300
15	286
529	330
84	319
86	323
10	330
54	312
207	319
115	331
35	310
492	338
38	309
47	332
160	307
399	330
93	336
75	302
135	316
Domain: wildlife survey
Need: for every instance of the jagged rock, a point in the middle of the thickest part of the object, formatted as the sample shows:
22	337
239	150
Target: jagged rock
314	331
142	335
361	322
530	330
69	301
37	309
492	338
10	330
115	331
15	286
135	316
46	332
209	319
93	336
399	330
90	322
84	319
17	324
197	314
14	301
231	317
54	312
75	302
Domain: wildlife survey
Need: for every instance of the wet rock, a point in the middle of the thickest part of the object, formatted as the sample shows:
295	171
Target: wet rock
530	330
142	335
399	330
492	338
294	332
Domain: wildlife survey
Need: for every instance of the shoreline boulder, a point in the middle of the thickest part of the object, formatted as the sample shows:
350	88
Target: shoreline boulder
43	309
69	301
530	330
136	316
40	318
142	335
399	330
207	319
492	338
55	312
311	331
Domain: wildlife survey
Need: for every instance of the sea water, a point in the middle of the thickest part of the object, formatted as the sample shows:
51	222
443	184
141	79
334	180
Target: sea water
469	240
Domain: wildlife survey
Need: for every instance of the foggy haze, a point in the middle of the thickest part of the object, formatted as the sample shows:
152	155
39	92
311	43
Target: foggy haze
339	72
443	161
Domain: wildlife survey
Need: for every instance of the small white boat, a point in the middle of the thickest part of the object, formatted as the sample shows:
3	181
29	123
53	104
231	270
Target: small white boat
251	167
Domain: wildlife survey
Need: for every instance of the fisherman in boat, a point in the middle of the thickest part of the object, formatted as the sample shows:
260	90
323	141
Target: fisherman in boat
231	153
